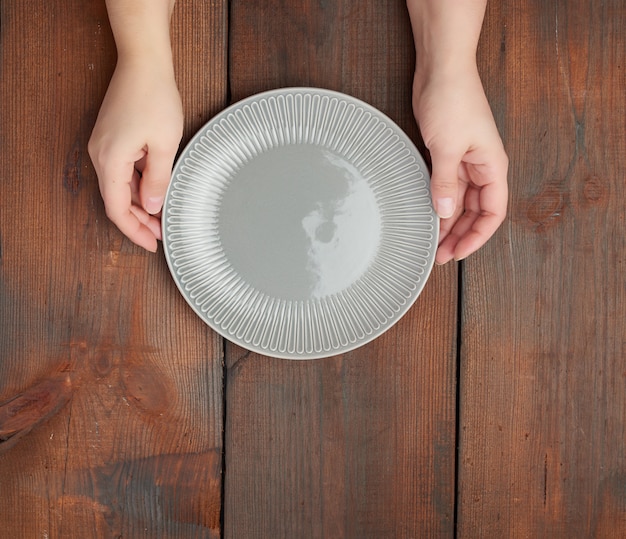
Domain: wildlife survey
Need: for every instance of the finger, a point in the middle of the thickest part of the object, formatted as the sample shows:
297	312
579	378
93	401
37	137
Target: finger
134	230
478	222
151	222
446	225
155	179
134	187
492	201
475	226
484	205
116	194
444	253
449	245
444	183
457	245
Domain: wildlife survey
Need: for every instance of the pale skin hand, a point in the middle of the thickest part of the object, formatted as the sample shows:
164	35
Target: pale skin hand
469	176
139	127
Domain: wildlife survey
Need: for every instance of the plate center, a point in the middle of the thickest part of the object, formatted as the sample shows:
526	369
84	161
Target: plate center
299	222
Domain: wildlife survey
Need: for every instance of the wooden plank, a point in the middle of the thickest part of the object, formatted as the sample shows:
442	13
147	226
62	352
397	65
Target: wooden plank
359	445
543	399
110	387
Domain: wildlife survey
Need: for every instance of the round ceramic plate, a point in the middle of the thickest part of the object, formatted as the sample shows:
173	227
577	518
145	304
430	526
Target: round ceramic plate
299	223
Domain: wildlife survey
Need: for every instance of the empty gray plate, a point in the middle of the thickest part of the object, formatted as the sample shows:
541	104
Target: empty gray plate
299	223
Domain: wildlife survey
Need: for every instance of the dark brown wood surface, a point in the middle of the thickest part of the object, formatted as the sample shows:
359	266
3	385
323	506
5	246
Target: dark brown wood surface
122	415
543	353
110	387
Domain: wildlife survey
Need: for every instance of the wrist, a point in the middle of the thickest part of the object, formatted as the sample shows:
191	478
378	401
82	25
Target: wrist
441	77
446	34
141	29
156	63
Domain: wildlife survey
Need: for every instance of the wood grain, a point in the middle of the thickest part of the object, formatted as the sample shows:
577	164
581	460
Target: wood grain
543	394
360	445
110	387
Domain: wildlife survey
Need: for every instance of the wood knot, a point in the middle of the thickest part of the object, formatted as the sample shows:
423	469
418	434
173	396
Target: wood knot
594	189
546	207
103	364
20	414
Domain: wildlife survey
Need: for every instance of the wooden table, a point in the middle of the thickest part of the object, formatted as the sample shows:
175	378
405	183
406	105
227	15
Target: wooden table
494	408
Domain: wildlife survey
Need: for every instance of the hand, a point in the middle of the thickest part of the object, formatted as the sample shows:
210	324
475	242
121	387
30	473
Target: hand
133	146
469	164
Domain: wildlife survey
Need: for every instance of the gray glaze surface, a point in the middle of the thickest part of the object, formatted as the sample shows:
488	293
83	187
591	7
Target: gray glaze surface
299	223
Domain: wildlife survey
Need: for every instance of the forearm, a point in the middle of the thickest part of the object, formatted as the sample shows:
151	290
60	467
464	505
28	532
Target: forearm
141	29
446	33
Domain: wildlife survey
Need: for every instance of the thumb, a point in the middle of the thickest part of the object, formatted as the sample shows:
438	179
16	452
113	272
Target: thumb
154	180
444	184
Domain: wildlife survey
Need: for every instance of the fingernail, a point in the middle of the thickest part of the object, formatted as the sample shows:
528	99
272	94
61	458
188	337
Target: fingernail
445	207
154	204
